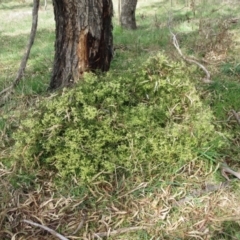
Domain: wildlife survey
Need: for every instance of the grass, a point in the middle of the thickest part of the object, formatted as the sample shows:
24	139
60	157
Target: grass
159	208
16	19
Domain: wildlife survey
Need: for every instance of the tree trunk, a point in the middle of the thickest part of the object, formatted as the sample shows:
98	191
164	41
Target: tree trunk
45	5
119	11
127	19
83	39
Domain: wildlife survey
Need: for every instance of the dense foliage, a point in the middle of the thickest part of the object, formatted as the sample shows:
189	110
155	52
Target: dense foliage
151	117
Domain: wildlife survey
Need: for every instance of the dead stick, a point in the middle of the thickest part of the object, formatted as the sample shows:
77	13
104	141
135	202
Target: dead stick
6	90
176	45
30	43
189	60
226	169
54	233
80	225
29	46
119	231
236	116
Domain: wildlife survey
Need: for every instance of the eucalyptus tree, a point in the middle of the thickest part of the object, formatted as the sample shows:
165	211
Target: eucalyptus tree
127	9
83	39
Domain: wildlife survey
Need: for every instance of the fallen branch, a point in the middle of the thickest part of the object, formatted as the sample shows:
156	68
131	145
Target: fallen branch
226	169
236	115
206	79
116	232
80	225
54	233
234	20
7	91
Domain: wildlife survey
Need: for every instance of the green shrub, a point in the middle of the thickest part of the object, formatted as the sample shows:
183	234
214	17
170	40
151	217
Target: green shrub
149	117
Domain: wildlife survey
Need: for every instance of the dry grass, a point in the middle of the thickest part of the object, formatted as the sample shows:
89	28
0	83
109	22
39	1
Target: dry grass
195	209
188	205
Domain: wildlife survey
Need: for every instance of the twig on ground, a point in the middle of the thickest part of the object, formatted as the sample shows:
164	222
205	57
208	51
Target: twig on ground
116	232
234	20
206	79
6	93
236	115
80	225
226	169
54	233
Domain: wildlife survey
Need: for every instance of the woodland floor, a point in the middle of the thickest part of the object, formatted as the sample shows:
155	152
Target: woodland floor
193	203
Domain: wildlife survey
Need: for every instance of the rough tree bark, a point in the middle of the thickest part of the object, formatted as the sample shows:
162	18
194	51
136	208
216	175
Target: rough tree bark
127	14
45	5
83	39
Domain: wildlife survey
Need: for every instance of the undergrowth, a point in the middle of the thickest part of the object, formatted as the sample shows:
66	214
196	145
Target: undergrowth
150	118
130	148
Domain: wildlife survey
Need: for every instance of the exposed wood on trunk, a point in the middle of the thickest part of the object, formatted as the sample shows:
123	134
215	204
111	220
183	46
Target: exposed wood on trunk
83	39
82	52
